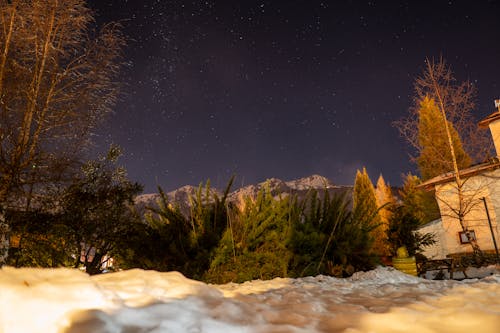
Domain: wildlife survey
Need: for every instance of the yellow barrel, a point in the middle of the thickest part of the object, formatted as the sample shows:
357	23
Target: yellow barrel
405	265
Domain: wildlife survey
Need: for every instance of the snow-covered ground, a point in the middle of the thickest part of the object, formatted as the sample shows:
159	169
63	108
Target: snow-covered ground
137	301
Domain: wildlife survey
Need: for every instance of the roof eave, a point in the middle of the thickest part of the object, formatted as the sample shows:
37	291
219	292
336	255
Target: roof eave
469	172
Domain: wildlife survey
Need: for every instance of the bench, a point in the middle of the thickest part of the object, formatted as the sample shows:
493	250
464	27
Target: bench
434	265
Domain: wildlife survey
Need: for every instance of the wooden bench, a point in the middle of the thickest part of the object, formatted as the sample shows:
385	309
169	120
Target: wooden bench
434	265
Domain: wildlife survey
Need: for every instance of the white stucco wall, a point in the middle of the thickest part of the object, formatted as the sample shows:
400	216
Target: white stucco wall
485	185
437	250
495	134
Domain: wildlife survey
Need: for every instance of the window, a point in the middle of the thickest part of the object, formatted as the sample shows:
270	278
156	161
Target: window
463	236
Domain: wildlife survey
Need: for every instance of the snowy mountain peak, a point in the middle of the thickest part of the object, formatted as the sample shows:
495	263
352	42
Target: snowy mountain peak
277	187
312	182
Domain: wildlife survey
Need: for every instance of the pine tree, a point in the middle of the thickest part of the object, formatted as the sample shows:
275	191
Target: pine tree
435	156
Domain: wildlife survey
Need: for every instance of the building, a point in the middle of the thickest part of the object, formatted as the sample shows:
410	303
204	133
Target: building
480	206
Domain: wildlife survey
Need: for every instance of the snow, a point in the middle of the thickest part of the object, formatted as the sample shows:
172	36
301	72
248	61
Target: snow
382	300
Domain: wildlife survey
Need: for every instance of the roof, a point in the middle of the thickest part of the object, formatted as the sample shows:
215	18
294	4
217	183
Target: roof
491	118
444	178
431	223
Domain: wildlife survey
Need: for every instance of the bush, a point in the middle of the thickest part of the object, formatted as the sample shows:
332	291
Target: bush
171	241
253	245
328	239
402	232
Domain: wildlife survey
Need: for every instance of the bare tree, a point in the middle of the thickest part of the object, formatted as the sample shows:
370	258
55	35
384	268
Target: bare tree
57	81
455	103
458	101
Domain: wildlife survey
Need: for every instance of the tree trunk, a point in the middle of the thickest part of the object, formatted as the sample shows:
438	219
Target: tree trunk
4	240
461	209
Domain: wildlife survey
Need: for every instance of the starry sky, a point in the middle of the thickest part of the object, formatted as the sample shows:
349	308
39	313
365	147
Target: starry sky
284	89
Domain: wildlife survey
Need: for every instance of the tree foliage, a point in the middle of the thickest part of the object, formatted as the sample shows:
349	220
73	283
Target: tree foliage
364	200
385	201
56	83
254	244
327	239
98	210
416	202
39	240
458	102
280	236
90	221
402	231
435	156
172	241
454	102
366	210
416	208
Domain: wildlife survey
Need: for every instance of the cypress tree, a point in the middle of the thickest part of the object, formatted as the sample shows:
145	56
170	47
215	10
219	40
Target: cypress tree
435	156
384	197
385	200
366	210
364	200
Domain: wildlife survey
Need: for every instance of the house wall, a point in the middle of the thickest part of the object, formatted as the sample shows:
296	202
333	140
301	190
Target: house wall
495	134
438	249
485	185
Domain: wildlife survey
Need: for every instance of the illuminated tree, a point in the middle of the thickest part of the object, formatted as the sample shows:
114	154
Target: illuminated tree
435	156
56	83
438	89
385	200
417	202
254	244
366	210
437	83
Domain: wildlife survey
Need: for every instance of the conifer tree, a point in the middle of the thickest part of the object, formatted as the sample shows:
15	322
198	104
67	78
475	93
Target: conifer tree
385	200
253	246
384	197
416	208
438	83
418	203
454	102
435	156
365	208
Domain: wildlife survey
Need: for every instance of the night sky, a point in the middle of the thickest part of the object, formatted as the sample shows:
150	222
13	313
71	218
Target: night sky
284	89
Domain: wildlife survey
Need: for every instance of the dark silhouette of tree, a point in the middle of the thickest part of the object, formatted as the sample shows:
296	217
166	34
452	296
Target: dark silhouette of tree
98	211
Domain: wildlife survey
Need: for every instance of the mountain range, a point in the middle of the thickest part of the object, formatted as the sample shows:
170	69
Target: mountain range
277	187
